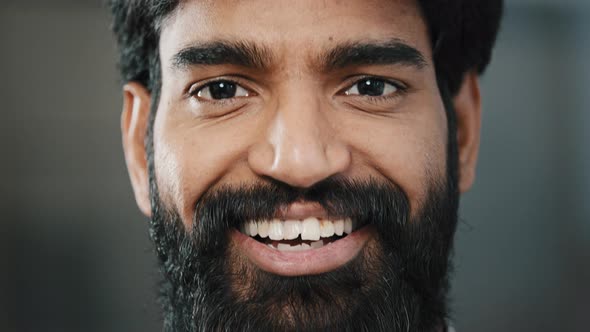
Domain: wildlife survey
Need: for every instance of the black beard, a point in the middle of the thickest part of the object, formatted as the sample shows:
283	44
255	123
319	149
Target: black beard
399	283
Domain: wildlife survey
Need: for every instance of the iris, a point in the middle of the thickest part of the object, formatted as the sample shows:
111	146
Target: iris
371	87
222	90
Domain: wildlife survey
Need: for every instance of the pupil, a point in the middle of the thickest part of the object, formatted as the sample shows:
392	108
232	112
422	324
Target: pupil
222	90
371	87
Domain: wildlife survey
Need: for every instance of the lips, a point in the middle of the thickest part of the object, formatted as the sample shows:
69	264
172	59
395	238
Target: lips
297	235
301	241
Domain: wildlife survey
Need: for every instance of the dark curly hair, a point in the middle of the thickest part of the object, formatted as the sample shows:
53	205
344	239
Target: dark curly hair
462	32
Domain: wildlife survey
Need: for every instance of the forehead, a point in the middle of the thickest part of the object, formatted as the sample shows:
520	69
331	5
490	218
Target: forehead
293	27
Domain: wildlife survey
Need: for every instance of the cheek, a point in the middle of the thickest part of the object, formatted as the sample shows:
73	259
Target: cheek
192	158
409	150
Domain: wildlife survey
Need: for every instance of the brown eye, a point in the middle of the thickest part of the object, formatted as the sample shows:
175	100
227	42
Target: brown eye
373	87
223	89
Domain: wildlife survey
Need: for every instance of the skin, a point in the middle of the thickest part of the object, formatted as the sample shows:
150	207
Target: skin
297	125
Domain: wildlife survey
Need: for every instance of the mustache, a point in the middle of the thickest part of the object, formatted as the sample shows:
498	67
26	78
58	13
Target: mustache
410	260
378	202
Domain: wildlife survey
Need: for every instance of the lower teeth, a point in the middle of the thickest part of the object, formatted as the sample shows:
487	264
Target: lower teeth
297	247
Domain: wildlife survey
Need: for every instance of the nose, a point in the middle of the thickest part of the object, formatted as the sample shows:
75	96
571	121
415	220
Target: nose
300	145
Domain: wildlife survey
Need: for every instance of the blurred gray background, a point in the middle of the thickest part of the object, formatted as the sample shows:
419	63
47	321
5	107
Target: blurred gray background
75	250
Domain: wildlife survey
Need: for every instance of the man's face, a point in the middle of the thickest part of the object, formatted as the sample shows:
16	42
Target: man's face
300	148
293	120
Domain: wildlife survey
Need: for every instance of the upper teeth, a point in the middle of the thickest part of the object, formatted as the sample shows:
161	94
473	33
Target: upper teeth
309	228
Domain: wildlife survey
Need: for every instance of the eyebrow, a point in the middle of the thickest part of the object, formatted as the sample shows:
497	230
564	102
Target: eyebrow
251	55
237	53
392	52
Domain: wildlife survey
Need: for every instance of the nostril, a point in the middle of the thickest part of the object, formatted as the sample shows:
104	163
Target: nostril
299	167
339	157
298	155
261	158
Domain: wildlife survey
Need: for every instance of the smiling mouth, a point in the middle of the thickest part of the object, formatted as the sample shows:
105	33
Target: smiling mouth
298	235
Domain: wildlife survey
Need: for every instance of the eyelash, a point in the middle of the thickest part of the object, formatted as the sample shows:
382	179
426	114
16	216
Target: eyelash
194	90
401	90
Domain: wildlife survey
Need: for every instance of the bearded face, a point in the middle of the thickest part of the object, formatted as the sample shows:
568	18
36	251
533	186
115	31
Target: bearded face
303	165
396	282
